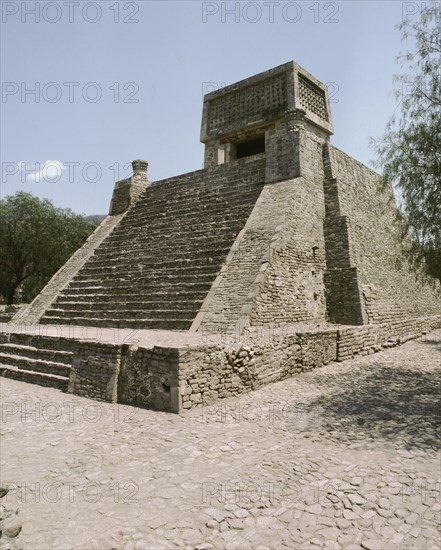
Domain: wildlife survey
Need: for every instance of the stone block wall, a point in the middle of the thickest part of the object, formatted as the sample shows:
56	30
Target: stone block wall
390	289
266	103
125	194
381	305
149	378
343	298
173	379
369	339
282	148
95	370
128	191
211	372
291	286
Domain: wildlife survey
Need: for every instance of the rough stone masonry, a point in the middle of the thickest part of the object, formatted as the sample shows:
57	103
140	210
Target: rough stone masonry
280	255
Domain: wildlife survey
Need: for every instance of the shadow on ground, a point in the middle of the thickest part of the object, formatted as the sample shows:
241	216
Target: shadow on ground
435	343
398	404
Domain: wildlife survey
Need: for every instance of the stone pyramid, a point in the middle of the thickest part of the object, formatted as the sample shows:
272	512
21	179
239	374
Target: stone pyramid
279	229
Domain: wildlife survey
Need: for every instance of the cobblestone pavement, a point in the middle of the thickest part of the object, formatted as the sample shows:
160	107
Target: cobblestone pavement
347	456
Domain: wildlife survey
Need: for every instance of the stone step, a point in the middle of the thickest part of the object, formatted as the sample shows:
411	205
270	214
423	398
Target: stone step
162	259
110	259
155	269
36	365
202	243
204	186
32	352
85	305
158	324
224	212
102	300
134	276
225	216
158	267
40	378
184	292
146	279
190	207
154	238
94	286
121	313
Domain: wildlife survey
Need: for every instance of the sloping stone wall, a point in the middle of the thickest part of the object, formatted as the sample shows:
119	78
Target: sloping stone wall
233	292
291	285
391	290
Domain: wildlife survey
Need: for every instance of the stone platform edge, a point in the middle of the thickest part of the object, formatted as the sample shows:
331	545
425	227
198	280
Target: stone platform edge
175	378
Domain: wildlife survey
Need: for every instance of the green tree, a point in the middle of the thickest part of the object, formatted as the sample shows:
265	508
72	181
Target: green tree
36	239
409	153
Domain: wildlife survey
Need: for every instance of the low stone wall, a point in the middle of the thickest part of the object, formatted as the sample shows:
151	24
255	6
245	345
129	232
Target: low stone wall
368	339
95	370
149	378
179	378
212	372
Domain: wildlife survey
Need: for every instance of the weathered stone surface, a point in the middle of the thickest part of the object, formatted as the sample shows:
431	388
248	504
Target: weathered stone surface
271	469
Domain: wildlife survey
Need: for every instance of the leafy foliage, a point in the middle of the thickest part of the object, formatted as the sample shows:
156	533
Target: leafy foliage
410	150
36	239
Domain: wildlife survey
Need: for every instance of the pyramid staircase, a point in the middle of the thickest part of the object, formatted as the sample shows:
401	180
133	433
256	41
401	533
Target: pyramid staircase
155	269
35	360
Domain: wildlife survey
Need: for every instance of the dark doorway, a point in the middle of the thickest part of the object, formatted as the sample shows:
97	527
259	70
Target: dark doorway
251	147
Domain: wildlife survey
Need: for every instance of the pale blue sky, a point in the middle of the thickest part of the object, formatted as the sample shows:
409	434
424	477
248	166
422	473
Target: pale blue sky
169	54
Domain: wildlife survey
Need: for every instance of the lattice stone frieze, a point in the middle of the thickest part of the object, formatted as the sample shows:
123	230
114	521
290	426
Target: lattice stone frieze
248	103
312	98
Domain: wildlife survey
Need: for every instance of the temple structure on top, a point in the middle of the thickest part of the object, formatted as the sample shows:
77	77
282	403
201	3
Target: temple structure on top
255	116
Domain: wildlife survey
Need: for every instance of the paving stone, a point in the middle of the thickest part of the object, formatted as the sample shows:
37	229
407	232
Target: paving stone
343	523
385	513
373	544
356	481
356	499
350	515
329	533
384	503
411	519
314	509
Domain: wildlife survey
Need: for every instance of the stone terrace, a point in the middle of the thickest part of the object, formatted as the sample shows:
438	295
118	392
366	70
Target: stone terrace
171	371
